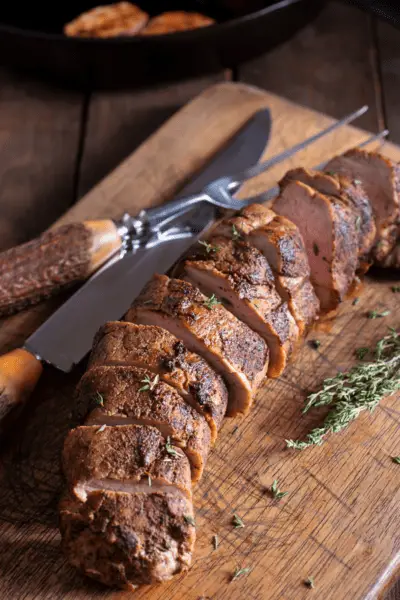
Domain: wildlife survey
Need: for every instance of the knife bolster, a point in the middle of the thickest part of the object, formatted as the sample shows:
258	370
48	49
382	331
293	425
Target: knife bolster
19	374
105	241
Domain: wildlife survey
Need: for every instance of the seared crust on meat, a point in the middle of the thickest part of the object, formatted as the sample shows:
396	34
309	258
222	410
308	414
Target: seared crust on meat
154	348
128	539
126	395
233	346
379	176
171	22
350	192
123	453
251	217
239	274
328	228
122	18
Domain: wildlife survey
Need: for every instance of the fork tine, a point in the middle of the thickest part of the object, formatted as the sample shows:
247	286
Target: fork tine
274	191
267	164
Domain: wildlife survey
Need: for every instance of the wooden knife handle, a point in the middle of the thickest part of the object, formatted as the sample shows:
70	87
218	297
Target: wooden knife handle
57	259
19	373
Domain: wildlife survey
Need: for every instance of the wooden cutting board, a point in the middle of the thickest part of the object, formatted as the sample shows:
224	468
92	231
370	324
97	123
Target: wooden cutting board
340	522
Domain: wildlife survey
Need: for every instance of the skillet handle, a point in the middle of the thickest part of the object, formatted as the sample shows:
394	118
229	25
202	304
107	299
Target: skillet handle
57	259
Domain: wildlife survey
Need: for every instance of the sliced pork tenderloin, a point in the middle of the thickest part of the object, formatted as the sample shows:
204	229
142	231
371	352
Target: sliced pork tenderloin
350	192
239	354
328	228
129	395
240	225
123	458
282	245
127	540
380	178
240	276
155	349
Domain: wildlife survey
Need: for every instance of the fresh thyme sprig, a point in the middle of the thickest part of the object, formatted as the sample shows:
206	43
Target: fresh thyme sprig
361	388
239	572
309	582
215	541
374	314
237	521
236	235
149	384
276	492
209	247
98	399
169	448
396	459
211	302
189	519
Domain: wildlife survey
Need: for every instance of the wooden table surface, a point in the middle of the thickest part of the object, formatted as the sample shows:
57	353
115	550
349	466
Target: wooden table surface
56	144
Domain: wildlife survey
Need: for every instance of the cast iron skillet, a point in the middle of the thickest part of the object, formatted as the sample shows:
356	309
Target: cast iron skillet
31	38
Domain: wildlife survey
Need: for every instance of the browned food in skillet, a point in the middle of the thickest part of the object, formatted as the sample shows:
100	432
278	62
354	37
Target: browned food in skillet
127	516
122	18
135	396
328	228
379	177
242	278
157	350
171	22
239	354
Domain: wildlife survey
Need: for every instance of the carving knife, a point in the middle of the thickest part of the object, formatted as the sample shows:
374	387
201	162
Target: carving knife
66	337
69	254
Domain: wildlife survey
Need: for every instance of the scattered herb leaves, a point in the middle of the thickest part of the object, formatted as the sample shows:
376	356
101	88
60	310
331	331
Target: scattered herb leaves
215	542
357	181
209	247
237	521
396	459
309	582
235	234
315	249
275	491
315	344
234	430
211	302
358	223
189	519
102	428
361	353
374	314
169	448
239	572
149	480
356	301
395	289
98	399
351	393
149	384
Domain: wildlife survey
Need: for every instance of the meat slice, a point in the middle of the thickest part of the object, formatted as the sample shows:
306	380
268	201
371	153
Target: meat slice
379	176
353	194
122	458
281	243
128	539
170	22
235	351
239	275
328	229
128	395
239	226
121	18
155	349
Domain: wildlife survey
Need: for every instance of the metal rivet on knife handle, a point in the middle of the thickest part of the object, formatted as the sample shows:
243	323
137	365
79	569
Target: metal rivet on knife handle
57	259
19	373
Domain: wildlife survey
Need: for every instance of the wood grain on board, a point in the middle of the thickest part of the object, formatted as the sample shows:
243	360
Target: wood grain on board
340	521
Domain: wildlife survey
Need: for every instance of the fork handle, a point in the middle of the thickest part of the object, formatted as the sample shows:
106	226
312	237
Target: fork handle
57	259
